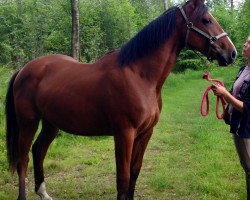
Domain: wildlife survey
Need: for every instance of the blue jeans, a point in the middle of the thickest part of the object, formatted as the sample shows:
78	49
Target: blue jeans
243	149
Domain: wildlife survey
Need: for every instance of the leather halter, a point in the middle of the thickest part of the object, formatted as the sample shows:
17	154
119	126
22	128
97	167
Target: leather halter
190	26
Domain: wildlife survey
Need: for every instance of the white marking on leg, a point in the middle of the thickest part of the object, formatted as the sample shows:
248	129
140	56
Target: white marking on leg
42	192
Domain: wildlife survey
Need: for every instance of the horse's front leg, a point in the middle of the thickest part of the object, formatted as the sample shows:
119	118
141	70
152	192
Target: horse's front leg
123	150
139	147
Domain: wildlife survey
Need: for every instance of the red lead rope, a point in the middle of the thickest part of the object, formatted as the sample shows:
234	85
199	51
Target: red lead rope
206	99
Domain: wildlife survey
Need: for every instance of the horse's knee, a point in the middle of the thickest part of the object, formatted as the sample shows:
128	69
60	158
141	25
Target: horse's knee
122	183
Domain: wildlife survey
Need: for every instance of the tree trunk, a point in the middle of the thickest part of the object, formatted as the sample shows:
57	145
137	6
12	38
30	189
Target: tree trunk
165	4
17	58
232	4
75	43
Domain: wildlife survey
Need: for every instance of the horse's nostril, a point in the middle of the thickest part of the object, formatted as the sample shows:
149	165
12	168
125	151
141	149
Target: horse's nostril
233	55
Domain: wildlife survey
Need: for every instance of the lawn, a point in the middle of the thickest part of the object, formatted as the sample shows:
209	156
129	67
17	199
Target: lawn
189	157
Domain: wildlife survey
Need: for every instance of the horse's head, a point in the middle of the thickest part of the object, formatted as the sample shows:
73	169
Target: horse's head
202	32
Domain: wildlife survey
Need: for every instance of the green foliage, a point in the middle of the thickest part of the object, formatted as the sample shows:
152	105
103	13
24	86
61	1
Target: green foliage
189	60
31	28
147	10
226	18
243	24
105	25
117	22
90	27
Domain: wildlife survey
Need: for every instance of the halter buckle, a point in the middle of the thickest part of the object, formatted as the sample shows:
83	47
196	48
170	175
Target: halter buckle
213	39
190	25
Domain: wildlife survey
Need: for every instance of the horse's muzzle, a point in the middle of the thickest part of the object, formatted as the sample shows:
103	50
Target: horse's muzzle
226	58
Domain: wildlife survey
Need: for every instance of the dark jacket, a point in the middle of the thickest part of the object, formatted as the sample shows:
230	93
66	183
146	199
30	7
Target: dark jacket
240	122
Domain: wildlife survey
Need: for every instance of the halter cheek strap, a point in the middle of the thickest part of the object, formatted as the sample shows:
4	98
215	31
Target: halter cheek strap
190	26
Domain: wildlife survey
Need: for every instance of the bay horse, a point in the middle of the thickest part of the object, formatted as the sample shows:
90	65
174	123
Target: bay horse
119	95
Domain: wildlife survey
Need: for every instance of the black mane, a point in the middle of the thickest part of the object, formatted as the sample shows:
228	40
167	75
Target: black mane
149	38
153	35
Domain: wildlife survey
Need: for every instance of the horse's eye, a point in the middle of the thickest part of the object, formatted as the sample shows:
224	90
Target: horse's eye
206	21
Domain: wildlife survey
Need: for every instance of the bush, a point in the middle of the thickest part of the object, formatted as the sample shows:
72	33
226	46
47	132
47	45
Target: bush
189	60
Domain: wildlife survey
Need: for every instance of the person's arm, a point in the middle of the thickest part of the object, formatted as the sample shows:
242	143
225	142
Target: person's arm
222	91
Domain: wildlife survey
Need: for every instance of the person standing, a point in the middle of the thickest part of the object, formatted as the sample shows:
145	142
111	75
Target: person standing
238	112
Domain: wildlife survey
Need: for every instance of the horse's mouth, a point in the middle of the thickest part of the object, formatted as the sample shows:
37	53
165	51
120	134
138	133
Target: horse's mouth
225	59
223	63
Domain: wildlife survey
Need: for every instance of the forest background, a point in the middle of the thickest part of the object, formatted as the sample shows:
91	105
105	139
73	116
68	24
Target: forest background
31	28
195	156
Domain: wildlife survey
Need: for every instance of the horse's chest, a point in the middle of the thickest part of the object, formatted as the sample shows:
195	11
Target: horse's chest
150	118
153	116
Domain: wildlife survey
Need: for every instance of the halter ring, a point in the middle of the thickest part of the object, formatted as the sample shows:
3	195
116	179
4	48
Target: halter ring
190	25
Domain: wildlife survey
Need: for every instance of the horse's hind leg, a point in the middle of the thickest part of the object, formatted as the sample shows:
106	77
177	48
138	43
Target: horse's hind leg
26	135
39	150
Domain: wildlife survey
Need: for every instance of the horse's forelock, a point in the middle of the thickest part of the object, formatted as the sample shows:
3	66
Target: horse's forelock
200	11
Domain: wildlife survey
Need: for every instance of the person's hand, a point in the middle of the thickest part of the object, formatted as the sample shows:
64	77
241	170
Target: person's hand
219	90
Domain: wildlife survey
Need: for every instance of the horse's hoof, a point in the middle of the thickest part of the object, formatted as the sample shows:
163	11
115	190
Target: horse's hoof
42	192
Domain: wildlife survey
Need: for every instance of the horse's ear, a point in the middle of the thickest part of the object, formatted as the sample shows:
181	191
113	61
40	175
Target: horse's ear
197	2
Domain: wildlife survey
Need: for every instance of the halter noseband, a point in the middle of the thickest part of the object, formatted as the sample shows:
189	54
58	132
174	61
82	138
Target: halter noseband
190	26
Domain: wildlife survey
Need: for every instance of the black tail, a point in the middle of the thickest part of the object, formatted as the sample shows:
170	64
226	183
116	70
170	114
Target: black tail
12	132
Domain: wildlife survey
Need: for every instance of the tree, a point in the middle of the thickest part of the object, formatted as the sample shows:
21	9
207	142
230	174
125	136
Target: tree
165	4
243	25
75	42
232	4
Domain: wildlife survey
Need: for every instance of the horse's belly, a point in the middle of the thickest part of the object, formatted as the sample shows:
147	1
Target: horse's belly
77	118
82	126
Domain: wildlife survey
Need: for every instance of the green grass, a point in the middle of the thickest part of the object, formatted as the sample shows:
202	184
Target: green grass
188	158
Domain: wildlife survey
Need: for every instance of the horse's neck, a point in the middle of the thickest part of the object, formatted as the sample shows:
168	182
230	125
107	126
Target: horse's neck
156	67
